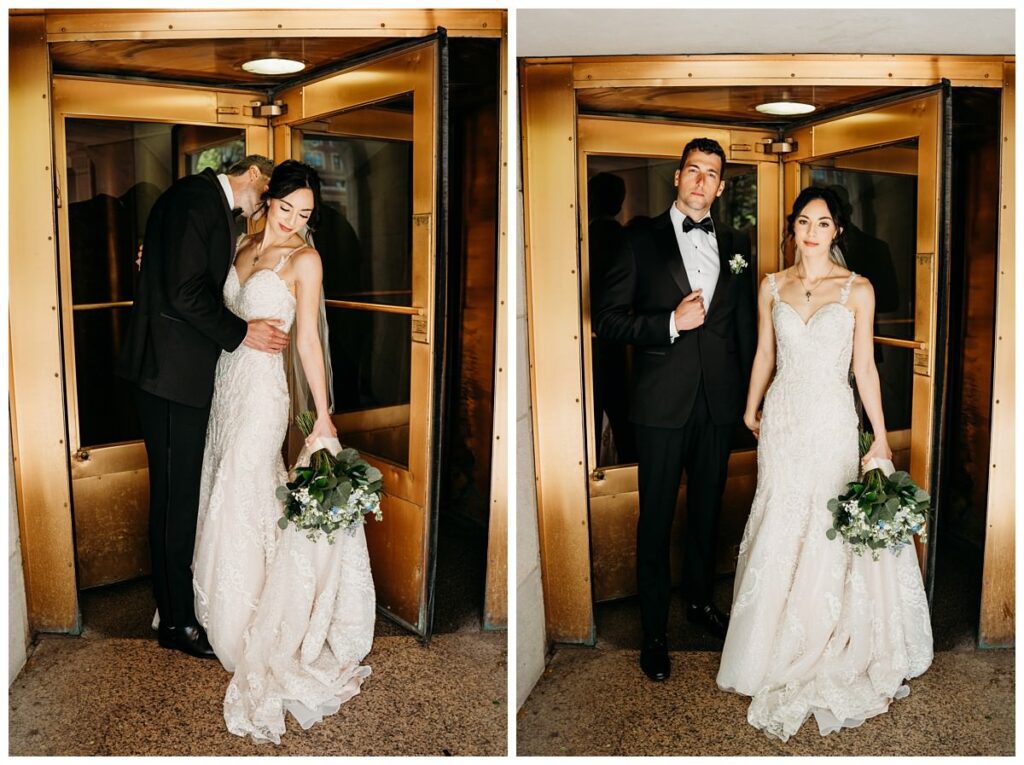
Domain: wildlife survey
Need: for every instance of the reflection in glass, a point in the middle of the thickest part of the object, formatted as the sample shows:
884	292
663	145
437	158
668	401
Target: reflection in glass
115	172
371	361
896	377
364	158
878	188
630	191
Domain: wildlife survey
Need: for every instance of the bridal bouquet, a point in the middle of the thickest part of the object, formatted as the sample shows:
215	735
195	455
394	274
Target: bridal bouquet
335	490
884	509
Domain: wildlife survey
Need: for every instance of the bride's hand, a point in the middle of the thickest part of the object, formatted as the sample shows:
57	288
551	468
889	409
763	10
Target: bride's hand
322	428
753	423
879	450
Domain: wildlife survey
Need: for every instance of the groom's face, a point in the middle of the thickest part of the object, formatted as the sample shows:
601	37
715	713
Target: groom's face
699	183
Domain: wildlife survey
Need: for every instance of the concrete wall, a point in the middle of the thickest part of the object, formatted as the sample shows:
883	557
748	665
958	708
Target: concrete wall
531	637
17	610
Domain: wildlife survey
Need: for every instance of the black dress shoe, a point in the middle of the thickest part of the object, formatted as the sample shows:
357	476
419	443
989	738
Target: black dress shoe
713	620
654	659
191	640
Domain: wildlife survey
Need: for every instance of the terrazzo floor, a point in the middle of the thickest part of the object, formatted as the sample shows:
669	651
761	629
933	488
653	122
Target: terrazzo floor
114	691
595	700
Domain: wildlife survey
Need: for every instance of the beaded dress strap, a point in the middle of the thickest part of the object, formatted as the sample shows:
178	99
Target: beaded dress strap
286	256
772	288
845	292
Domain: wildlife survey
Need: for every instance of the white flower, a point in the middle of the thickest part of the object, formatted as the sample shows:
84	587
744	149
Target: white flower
737	263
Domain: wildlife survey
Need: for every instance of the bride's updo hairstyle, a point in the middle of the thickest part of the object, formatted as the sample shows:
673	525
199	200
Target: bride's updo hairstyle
289	176
835	209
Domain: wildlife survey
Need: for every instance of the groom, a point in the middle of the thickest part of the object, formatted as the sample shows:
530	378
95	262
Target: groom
679	290
179	326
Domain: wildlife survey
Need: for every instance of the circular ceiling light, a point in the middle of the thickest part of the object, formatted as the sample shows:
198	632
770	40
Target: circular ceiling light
785	108
273	66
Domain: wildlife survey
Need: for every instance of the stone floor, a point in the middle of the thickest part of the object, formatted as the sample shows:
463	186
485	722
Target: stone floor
114	691
595	701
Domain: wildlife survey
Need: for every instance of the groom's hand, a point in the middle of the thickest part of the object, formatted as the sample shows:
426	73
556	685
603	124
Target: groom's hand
264	335
690	312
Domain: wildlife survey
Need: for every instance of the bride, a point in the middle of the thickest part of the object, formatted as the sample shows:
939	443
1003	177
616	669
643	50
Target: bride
292	618
815	629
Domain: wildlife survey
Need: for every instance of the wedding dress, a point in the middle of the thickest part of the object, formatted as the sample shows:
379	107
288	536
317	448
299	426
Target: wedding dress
814	628
292	618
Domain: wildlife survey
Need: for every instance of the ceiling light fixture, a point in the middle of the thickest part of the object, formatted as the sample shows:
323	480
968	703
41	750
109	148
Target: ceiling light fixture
272	66
785	108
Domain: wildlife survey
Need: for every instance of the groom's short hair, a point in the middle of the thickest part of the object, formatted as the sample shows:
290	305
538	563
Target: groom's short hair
706	145
241	167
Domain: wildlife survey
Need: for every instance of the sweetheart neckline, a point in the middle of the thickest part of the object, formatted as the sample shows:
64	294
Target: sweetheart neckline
241	284
820	308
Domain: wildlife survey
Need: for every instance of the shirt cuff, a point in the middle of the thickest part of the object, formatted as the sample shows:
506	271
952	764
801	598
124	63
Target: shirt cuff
673	333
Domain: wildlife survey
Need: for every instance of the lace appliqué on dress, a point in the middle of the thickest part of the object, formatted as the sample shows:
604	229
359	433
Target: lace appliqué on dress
815	629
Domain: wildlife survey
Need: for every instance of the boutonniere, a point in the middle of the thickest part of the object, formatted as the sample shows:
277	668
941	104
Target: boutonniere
737	264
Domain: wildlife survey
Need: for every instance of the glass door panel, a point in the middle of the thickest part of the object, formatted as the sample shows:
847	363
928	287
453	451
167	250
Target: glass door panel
626	174
371	133
113	164
885	165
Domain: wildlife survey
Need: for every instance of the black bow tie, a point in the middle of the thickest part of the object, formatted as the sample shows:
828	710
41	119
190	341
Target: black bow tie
236	212
706	225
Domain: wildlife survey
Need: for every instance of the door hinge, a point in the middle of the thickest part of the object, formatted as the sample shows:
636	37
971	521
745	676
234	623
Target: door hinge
777	145
56	189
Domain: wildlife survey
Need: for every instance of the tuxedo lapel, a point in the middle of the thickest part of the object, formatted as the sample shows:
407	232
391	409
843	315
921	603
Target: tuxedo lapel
724	239
668	248
211	176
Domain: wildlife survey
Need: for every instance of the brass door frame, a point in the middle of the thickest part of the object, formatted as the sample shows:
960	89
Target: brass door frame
550	229
403	542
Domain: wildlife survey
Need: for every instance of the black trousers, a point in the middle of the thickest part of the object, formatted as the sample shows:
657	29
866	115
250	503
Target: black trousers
175	435
701	448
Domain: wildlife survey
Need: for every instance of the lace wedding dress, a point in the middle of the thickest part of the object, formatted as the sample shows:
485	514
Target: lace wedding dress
815	629
290	617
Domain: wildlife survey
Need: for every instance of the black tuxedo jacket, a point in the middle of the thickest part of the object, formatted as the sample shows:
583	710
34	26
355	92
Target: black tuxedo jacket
179	324
644	282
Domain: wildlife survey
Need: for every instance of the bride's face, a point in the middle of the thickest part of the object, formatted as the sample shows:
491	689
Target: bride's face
814	229
287	215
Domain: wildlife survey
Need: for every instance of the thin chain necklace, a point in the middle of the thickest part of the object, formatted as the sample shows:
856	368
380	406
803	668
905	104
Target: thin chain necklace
259	250
809	290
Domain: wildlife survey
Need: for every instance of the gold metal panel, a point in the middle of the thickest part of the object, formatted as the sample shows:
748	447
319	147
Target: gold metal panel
112	458
369	123
496	587
422	245
769	218
170	24
998	595
257	140
111	517
636	138
36	374
397	547
804	69
80	97
552	293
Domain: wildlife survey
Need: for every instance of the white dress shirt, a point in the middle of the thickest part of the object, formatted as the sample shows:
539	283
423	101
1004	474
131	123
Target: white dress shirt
699	251
227	190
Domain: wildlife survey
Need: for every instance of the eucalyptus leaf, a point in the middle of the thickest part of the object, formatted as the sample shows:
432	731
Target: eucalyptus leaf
831	533
282	522
373	474
282	493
